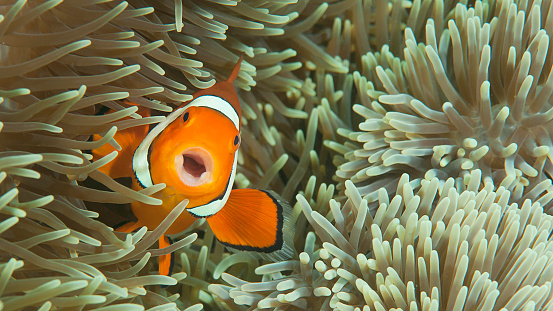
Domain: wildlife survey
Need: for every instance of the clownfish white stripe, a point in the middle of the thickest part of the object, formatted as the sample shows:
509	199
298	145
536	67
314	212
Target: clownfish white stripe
218	104
140	164
224	107
216	205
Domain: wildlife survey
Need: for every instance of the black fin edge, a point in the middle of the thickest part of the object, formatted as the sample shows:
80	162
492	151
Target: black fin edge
279	243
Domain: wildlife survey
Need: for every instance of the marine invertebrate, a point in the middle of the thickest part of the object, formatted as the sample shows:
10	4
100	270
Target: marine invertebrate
441	245
57	72
54	252
343	276
474	96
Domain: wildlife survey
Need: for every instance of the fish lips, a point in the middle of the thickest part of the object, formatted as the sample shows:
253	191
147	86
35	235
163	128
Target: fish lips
195	166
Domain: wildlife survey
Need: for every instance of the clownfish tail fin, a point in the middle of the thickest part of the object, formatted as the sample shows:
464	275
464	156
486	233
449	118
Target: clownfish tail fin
256	221
234	74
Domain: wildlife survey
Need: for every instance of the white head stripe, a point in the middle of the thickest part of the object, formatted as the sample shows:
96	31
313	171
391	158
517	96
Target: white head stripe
140	163
218	104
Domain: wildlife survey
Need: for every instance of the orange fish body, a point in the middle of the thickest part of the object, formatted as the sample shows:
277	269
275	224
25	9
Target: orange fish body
194	152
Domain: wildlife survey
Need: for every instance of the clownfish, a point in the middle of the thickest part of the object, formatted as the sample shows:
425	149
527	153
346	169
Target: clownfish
194	152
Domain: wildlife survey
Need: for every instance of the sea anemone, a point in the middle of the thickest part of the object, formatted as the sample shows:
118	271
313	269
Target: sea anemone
419	213
438	246
473	96
62	61
56	68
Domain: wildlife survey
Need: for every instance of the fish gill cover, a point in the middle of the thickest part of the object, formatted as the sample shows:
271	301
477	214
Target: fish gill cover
413	139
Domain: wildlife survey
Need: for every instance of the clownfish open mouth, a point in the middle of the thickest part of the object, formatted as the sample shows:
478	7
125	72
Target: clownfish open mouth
194	166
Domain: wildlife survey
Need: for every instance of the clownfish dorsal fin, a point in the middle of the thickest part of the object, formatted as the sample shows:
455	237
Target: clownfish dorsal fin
225	91
234	74
256	221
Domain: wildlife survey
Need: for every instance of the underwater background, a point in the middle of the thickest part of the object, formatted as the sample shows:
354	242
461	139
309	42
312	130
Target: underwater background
412	138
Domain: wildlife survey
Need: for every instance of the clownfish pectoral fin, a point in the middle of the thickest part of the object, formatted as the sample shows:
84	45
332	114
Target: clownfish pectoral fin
256	221
166	261
128	139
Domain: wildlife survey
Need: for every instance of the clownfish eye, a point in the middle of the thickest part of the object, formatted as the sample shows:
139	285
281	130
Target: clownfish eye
236	140
185	116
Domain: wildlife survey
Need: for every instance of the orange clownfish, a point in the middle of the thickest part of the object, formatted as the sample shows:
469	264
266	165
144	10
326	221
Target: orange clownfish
194	152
